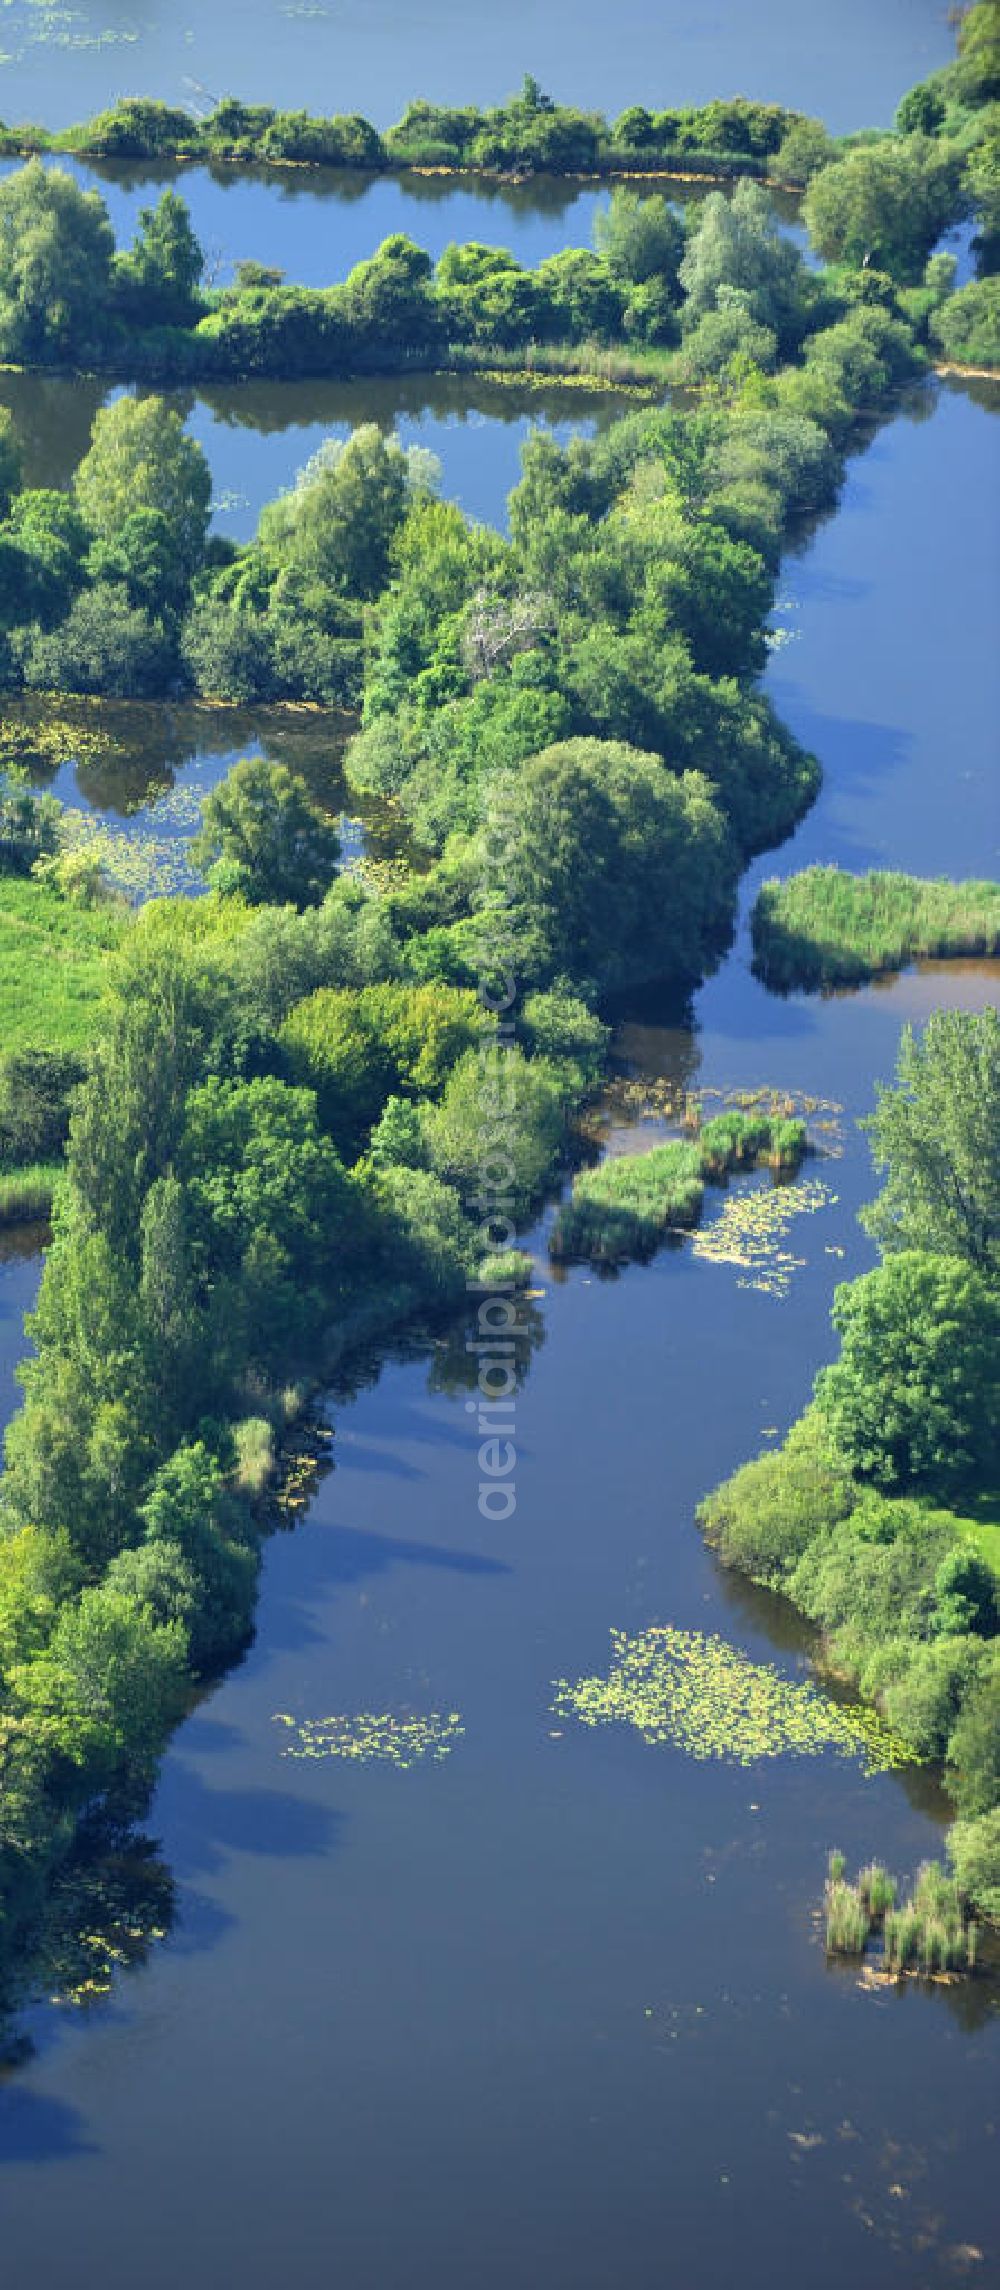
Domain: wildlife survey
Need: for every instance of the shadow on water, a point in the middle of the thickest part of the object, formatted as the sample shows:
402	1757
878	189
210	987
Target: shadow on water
35	2128
208	1825
336	1558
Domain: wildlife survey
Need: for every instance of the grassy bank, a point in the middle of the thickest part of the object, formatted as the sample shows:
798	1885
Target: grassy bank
53	965
825	927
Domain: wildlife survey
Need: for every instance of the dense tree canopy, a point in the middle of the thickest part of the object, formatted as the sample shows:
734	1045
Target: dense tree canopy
264	837
56	249
141	457
914	1399
885	204
936	1133
619	871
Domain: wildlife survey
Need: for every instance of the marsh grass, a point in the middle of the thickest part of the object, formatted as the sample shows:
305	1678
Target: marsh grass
926	1934
255	1454
26	1194
584	364
53	965
847	1921
505	1267
629	1204
826	928
625	1207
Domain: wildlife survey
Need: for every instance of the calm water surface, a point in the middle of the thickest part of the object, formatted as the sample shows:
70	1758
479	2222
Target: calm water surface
258	435
840	58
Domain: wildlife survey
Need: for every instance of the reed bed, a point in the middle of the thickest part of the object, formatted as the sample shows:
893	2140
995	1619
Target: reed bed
825	928
628	1205
926	1934
26	1194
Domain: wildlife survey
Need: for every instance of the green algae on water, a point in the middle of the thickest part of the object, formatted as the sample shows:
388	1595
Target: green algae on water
707	1698
371	1737
750	1226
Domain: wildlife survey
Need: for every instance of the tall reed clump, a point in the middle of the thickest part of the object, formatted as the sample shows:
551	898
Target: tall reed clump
624	1207
736	1140
26	1194
927	1933
825	927
255	1454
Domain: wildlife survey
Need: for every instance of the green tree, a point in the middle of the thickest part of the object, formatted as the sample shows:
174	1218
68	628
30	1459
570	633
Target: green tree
263	836
974	1847
486	296
190	1508
967	1592
56	248
500	1125
736	243
10	461
105	646
157	279
639	237
129	1115
110	1685
921	111
885	204
977	72
584	300
140	556
937	1134
273	1217
974	1748
390	298
618	869
140	457
42	550
982	175
340	519
913	1402
967	328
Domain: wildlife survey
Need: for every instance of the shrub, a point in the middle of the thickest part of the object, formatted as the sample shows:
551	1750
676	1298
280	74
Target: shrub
501	1123
35	1091
967	327
974	1850
104	646
767	1514
914	1399
974	1747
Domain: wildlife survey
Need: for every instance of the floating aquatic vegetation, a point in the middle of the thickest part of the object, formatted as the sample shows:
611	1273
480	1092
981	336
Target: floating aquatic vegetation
228	503
148	858
53	741
750	1227
373	1737
56	26
708	1699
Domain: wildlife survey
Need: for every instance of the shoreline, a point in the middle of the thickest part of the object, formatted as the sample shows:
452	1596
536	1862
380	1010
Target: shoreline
394	170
